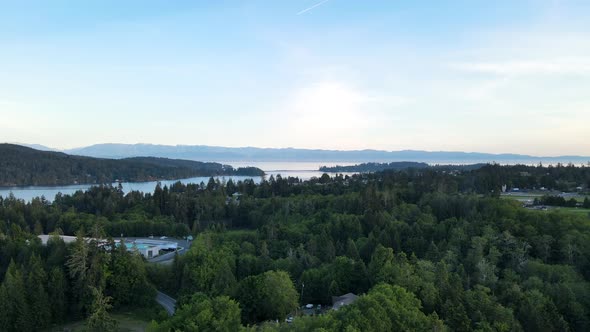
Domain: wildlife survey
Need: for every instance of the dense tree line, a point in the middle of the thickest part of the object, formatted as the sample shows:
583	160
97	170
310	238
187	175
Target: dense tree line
425	249
373	167
561	201
484	178
553	177
21	166
52	284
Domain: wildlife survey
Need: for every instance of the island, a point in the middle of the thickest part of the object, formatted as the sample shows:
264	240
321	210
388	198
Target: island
373	167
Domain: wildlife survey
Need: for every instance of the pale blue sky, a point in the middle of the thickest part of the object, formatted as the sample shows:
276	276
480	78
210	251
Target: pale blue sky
488	76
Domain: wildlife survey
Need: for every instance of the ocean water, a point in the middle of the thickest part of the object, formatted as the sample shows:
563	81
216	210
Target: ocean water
303	170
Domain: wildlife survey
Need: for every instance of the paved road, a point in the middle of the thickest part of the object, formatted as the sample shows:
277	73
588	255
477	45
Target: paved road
167	302
167	258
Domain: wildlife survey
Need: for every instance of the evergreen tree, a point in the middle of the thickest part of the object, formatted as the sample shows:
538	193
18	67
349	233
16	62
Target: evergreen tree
100	320
57	286
5	307
20	316
37	297
127	282
351	250
77	265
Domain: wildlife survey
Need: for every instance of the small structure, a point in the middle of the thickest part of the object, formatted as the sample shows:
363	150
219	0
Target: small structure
146	250
65	238
340	301
234	199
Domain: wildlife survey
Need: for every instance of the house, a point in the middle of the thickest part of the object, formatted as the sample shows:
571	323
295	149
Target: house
340	301
65	238
234	199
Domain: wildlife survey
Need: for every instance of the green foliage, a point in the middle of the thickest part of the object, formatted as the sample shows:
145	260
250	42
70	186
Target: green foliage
202	313
57	287
385	308
16	313
99	319
38	300
427	252
128	284
267	296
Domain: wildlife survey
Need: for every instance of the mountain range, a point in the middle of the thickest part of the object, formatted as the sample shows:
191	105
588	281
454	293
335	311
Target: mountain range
253	154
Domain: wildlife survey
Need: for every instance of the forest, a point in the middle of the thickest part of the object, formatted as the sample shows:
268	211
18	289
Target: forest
373	167
424	250
554	177
23	166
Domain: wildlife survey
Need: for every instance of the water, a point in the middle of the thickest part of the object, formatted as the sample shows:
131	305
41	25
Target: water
303	170
139	246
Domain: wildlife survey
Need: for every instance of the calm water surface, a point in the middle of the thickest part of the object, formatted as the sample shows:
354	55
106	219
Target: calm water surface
303	170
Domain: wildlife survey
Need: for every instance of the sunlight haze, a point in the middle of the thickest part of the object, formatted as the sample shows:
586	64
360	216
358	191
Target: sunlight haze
497	77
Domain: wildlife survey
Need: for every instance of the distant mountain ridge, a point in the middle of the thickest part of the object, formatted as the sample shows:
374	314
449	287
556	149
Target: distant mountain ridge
217	153
24	166
36	146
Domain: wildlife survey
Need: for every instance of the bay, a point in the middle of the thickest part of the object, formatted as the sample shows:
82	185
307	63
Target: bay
302	170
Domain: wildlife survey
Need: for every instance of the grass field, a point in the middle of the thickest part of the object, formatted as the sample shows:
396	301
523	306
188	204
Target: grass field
520	197
573	210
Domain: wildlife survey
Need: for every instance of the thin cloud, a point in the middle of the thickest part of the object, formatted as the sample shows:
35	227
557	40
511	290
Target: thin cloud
560	66
312	7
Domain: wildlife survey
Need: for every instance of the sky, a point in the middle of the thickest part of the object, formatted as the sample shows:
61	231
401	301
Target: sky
503	76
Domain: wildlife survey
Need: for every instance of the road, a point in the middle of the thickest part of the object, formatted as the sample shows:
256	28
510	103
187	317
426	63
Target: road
167	302
164	300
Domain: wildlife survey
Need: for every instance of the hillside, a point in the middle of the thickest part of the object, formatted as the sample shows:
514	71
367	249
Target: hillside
21	165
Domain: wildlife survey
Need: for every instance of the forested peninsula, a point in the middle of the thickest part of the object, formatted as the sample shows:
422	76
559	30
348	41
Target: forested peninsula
23	166
373	167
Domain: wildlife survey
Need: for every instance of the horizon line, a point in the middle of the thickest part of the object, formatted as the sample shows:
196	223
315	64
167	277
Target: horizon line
295	148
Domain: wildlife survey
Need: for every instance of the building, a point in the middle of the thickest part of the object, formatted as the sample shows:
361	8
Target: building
340	301
148	248
65	238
